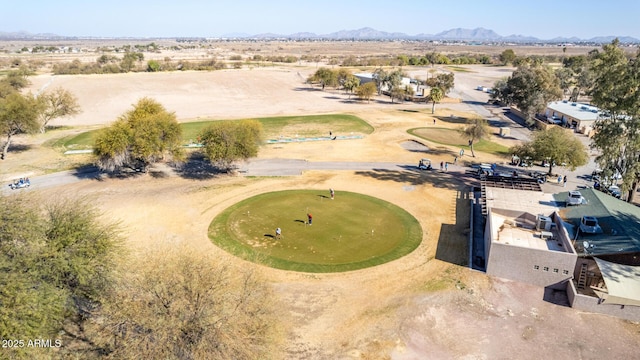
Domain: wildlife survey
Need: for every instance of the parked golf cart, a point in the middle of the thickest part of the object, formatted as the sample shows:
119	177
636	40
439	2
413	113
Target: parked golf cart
425	164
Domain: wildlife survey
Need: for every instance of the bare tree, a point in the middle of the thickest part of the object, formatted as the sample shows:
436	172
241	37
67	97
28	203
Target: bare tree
181	304
57	103
475	130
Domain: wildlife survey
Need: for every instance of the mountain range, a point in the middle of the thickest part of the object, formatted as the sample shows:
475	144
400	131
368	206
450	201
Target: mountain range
367	33
458	34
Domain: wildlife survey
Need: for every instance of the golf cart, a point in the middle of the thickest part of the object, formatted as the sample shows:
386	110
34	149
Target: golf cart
485	169
425	164
20	184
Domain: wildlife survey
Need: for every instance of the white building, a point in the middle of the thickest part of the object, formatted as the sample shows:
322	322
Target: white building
574	115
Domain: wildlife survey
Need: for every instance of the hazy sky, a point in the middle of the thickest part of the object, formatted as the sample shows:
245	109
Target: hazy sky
544	19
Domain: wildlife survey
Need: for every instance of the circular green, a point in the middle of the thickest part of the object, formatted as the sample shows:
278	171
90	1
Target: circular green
352	231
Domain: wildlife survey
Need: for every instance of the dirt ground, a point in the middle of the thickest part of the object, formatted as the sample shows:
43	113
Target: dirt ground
420	306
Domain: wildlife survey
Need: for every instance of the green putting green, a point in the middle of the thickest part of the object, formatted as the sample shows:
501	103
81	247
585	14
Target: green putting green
353	231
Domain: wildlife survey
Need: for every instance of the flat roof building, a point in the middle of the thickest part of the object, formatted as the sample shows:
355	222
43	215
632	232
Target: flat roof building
533	237
576	115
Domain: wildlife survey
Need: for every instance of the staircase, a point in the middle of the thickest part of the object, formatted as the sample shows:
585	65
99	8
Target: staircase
582	279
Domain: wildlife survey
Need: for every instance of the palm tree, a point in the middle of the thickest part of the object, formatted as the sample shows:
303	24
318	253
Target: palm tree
436	95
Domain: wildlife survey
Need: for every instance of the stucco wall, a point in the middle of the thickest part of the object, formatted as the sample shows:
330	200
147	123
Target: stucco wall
533	266
591	304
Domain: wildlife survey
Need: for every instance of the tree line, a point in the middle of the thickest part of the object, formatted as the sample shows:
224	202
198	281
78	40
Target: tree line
149	133
387	82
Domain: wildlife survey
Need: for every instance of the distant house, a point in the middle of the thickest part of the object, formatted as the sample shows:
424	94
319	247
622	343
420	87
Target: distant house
364	77
369	77
532	237
579	116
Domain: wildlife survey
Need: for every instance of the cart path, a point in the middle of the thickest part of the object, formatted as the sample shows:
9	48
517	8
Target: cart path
254	167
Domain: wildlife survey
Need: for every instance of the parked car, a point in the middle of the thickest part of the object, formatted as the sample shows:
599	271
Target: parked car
575	198
614	191
589	225
538	175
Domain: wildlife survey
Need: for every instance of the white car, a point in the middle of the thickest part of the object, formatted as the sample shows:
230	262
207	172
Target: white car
589	225
575	198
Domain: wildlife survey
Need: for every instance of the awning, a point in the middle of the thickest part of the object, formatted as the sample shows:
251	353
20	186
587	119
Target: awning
622	281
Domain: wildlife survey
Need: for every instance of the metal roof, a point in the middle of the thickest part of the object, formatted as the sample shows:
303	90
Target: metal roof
622	283
582	112
619	220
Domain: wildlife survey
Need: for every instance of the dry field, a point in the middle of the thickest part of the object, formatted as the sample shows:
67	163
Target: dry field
420	306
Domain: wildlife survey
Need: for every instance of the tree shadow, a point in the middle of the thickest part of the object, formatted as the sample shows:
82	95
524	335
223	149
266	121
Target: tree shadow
87	171
452	119
474	102
56	127
197	167
413	176
310	89
158	174
18	148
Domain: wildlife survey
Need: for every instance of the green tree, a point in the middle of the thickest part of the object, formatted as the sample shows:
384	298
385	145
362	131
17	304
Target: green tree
507	57
129	60
325	76
554	145
56	261
18	79
444	81
565	79
403	60
350	83
392	84
397	93
501	92
180	304
228	141
576	74
153	66
435	95
617	134
475	130
366	91
56	104
530	88
379	78
140	137
18	115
